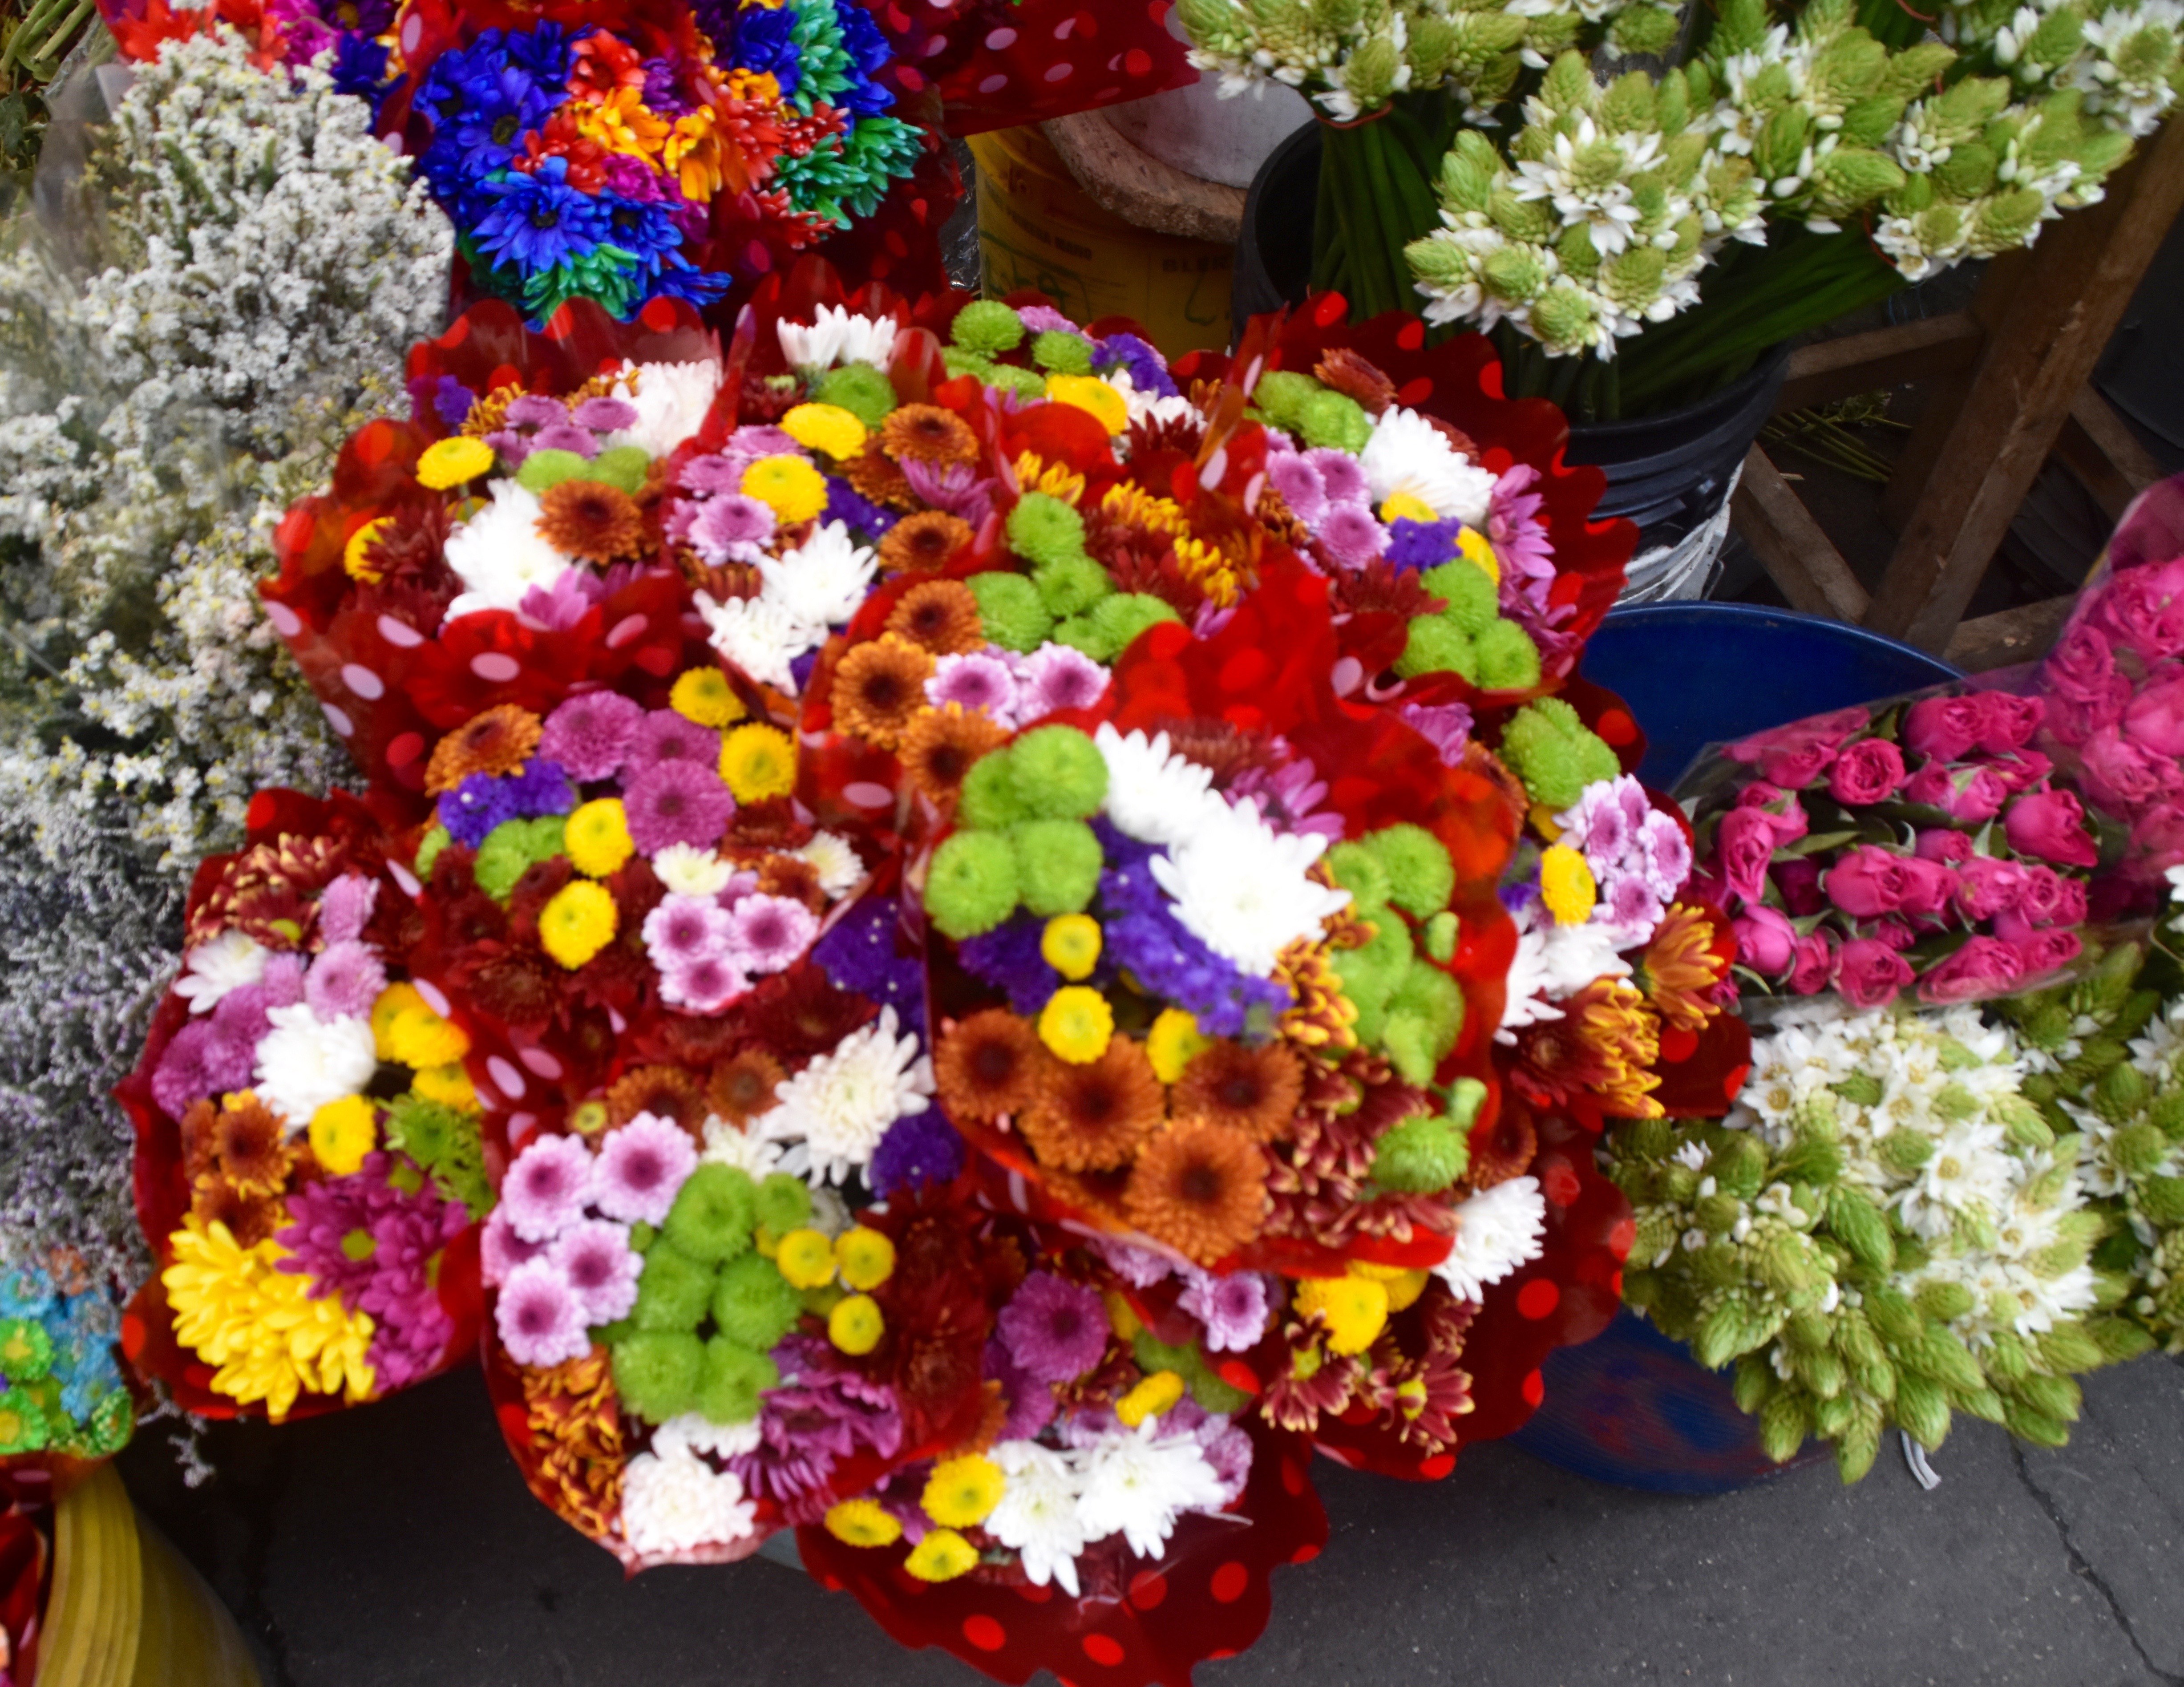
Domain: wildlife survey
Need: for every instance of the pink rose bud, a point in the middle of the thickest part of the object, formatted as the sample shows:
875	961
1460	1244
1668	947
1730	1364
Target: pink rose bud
1744	843
1868	771
2144	608
1815	966
1967	791
1784	813
2020	769
1867	882
2123	778
1766	941
1985	886
1938	843
1797	754
2155	718
2007	721
1870	974
2081	668
1984	966
1798	878
1927	885
1943	727
2050	824
1895	930
2043	952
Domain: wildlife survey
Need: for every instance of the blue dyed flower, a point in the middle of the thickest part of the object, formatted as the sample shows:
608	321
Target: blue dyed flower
452	401
538	789
869	52
360	69
539	222
765	44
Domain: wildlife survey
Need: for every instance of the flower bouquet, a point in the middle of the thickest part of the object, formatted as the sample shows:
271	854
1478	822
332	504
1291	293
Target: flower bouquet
309	1167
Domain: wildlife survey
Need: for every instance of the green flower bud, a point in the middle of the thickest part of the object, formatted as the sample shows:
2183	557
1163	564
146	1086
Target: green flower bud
656	1373
733	1379
1943	1300
753	1303
1563	317
1860	1089
1069	585
1857	1224
862	390
1516	273
1784	1424
1904	1151
1059	773
673	1291
713	1214
1421	873
988	326
1060	352
1419	1156
971	885
1335	419
1369	75
1009	611
1509	660
1921	1409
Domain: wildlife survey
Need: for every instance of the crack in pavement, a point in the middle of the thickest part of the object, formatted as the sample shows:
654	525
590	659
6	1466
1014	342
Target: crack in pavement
2081	1566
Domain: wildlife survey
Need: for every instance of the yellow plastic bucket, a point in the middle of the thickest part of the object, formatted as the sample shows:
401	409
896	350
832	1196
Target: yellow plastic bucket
1037	228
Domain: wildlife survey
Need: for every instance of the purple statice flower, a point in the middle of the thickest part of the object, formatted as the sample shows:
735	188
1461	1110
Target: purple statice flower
474	808
1054	1330
686	928
500	1249
846	505
641	1168
955	487
590	735
676	802
820	1413
706	984
1422	544
540	788
345	908
919	1148
1445	726
539	1317
860	953
1233	1309
664	735
1054	677
771	933
344	981
597	1260
452	401
980	681
1143	936
1148	372
1031	1402
1300	485
547	1187
609	415
800	669
1008	959
1350	535
1342	475
731	528
565	436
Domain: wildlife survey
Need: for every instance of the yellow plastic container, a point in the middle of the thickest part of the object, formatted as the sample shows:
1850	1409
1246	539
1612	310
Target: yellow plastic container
125	1610
1037	228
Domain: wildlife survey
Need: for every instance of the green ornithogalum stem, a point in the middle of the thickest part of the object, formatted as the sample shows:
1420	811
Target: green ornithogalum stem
1376	195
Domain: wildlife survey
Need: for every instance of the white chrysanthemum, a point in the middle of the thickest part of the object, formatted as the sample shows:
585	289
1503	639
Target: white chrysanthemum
1496	1231
1152	795
834	859
304	1061
757	636
211	969
1406	454
687	870
833	1113
838	336
1037	1517
1553	961
728	1144
822	581
695	1434
1138	1482
498	554
1241	886
672	399
674	1503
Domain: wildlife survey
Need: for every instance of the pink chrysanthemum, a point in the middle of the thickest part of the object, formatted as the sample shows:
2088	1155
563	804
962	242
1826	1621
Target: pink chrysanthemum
1054	1330
1233	1309
500	1249
977	681
606	415
1445	726
664	735
706	985
1300	485
566	436
1353	538
546	1188
686	928
590	735
597	1262
344	981
712	473
540	1320
1340	475
1054	676
731	528
345	907
641	1168
676	802
772	933
1519	538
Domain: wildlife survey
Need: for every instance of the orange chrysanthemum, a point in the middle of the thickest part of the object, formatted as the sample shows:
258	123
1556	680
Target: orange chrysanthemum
1199	1187
498	741
591	519
1252	1091
926	433
1604	1048
924	543
794	878
575	1422
486	413
1093	1117
941	745
940	614
663	1092
990	1064
248	1148
875	474
249	1218
879	688
1682	967
742	1087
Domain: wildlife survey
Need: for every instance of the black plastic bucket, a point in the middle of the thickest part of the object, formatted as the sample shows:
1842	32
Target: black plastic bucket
1669	473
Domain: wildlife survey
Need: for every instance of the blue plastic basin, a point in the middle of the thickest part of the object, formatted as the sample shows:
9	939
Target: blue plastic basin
1632	1407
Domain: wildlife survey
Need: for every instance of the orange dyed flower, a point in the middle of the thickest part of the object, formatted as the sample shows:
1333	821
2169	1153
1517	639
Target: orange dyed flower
1252	1091
591	520
1201	1188
879	688
941	745
941	616
497	742
990	1064
1091	1116
742	1087
1682	967
926	433
924	543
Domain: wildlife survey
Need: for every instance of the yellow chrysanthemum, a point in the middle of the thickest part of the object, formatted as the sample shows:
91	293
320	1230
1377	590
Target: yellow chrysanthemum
963	1492
1056	479
577	923
1174	1043
693	151
623	123
1475	545
258	1325
1133	504
447	463
359	542
386	1007
790	487
855	1326
1207	568
1403	1286
597	837
343	1133
418	1037
705	695
757	762
448	1085
1356	1309
866	1257
825	427
863	1523
807	1259
1150	1398
1077	1023
1071	945
1566	885
1403	506
941	1556
1092	396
